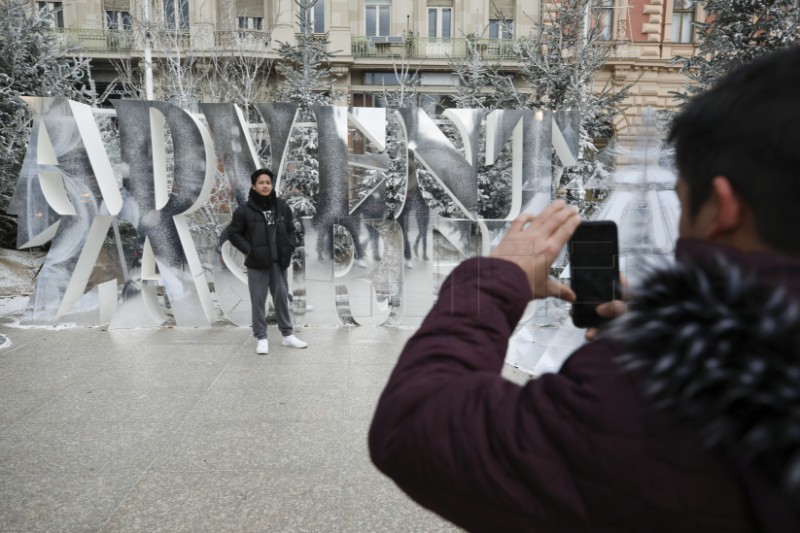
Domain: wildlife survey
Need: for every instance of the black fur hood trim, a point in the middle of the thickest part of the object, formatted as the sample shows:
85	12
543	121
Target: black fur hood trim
720	352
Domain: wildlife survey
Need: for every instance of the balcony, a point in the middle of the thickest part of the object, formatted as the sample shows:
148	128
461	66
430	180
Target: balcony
171	39
202	38
94	40
430	48
242	40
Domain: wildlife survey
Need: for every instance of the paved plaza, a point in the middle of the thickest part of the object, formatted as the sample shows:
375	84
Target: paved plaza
177	429
189	430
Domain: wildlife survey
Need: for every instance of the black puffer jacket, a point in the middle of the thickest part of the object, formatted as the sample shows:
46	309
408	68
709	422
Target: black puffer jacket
249	233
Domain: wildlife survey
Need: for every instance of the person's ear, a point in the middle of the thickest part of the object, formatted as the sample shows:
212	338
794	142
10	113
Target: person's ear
729	209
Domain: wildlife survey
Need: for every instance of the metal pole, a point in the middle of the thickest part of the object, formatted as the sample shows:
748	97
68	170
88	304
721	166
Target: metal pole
148	53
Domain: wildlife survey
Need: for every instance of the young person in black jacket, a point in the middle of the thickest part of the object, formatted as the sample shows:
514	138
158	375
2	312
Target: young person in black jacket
263	230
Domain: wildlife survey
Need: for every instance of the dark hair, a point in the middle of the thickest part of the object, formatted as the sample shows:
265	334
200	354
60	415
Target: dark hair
260	172
746	128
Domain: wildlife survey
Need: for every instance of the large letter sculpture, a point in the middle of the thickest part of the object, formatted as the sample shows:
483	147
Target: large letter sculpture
159	212
166	247
66	193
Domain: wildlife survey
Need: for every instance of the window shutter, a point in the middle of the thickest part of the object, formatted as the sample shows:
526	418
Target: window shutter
117	5
250	8
506	7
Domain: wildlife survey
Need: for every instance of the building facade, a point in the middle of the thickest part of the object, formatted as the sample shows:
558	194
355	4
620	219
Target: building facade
371	39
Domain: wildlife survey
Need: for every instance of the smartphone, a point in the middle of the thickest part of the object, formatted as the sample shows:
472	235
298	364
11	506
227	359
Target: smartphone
594	270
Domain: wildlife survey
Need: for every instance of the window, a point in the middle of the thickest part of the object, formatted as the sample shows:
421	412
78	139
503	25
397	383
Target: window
367	100
440	22
52	13
118	20
603	18
386	78
501	29
313	13
176	16
251	23
377	14
682	21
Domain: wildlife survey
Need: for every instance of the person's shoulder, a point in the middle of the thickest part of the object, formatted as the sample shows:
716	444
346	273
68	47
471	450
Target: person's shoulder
241	210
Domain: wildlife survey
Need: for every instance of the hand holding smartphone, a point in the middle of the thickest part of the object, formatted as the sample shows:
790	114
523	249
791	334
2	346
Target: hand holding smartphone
594	270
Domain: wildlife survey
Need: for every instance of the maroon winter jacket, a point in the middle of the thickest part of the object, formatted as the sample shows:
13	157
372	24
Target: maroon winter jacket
660	426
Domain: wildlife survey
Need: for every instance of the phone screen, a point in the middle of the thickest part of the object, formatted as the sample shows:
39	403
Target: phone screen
594	270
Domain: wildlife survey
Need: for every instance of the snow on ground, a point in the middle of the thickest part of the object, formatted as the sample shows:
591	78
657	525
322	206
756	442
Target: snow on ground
13	305
18	270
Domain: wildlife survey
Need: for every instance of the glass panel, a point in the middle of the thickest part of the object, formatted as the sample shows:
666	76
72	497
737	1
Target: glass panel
111	20
686	28
432	22
682	27
371	27
184	14
243	23
319	17
447	14
258	23
605	25
508	30
676	27
59	12
494	26
501	29
384	21
127	23
169	13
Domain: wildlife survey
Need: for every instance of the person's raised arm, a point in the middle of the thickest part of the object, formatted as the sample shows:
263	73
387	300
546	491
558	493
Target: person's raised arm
533	242
445	428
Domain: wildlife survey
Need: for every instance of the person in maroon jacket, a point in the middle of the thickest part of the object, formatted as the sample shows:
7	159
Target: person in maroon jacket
684	414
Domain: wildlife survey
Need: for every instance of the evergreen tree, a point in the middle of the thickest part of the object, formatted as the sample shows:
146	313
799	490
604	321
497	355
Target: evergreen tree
560	64
304	65
482	85
403	94
475	75
33	62
307	81
734	33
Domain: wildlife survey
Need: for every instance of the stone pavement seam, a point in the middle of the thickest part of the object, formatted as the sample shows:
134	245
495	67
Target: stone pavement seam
167	441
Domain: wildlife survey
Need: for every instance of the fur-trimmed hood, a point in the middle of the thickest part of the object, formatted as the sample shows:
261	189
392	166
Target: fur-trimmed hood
715	339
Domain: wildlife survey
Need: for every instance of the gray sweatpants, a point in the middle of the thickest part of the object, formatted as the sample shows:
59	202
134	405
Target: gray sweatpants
262	283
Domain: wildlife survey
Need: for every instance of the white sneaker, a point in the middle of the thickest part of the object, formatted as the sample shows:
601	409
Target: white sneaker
262	347
294	342
361	263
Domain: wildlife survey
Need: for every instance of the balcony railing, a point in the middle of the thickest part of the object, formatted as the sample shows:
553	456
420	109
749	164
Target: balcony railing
92	40
242	40
201	38
99	40
165	38
431	48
